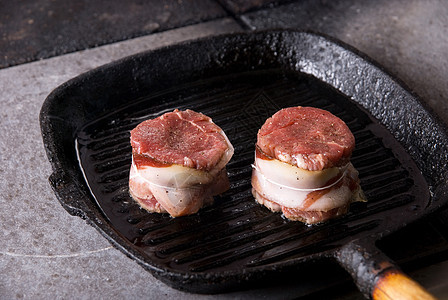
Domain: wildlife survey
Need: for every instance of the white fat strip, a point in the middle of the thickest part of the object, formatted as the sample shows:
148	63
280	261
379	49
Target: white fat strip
293	177
172	198
183	181
298	189
295	197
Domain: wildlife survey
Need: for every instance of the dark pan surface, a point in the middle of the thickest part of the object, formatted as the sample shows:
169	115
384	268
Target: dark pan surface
86	125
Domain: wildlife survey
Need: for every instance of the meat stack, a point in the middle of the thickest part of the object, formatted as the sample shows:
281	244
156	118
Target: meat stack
302	165
178	163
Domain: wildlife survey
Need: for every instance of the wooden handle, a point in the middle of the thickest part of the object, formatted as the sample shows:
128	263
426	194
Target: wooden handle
394	284
376	275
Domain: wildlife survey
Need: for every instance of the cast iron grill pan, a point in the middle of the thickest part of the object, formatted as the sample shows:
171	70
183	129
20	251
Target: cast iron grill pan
240	81
229	233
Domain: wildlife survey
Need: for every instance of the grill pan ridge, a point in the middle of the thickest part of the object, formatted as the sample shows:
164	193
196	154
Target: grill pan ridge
239	84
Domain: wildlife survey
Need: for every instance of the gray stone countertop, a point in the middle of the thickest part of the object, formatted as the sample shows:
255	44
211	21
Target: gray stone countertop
46	253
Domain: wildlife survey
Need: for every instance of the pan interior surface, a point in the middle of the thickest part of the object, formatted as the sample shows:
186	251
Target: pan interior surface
236	233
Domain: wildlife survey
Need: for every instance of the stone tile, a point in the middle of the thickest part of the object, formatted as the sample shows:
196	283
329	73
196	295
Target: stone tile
408	38
44	252
40	29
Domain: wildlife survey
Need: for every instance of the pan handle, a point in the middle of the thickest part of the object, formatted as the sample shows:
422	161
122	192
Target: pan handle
376	275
